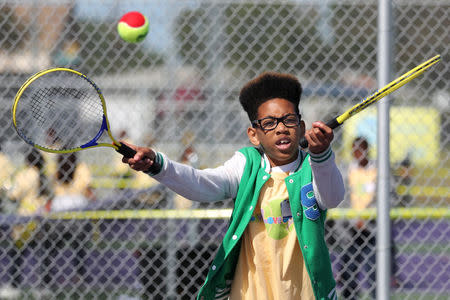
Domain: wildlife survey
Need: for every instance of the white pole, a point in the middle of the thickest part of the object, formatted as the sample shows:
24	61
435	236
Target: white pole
383	238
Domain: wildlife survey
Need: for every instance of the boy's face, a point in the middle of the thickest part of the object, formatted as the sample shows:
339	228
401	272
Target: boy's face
281	143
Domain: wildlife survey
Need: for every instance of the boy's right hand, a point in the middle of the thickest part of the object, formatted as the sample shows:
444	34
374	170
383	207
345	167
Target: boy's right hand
142	160
319	137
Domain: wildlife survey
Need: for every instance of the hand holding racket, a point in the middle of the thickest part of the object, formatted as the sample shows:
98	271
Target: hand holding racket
62	111
144	160
389	88
319	137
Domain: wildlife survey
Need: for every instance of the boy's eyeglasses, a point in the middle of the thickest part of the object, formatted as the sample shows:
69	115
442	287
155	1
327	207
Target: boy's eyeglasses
270	123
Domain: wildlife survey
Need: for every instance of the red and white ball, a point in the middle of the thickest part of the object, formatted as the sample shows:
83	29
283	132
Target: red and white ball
133	27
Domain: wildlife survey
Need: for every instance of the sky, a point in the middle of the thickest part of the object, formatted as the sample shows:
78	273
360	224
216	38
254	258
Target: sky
160	15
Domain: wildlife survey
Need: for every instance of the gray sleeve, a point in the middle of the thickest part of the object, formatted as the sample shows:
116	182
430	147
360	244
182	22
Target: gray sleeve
207	185
327	179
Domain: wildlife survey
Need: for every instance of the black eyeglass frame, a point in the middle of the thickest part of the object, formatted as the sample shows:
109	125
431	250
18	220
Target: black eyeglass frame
257	123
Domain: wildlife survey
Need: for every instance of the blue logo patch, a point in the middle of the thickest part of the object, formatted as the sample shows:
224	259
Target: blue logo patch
309	202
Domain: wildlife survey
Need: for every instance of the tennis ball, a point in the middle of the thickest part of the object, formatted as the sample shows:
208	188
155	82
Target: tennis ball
133	27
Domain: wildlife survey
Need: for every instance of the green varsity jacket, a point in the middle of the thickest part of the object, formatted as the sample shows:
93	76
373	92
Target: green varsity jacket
308	221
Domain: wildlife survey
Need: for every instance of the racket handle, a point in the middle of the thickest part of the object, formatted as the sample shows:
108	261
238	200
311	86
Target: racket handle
332	124
126	151
303	143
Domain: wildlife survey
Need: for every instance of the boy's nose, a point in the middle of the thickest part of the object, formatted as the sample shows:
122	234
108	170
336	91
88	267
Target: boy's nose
281	127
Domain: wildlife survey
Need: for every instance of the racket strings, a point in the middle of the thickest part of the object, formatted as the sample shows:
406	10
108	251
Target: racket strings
59	111
37	111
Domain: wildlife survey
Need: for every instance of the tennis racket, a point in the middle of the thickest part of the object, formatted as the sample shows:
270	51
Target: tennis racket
387	89
61	110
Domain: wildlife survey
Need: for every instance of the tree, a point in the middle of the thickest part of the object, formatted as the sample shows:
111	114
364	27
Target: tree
252	37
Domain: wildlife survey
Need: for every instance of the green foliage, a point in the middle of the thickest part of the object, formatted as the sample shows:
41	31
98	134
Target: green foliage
192	25
349	21
266	33
253	35
284	37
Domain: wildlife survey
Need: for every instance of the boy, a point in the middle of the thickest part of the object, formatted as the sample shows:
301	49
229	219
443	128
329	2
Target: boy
274	247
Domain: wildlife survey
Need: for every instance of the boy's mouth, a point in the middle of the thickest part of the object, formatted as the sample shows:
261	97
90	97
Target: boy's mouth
283	143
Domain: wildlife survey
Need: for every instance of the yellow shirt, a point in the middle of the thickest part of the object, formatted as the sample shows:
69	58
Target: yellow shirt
79	185
6	171
26	189
271	264
362	184
73	195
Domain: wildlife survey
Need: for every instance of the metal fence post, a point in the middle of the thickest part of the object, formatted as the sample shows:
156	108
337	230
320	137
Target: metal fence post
383	242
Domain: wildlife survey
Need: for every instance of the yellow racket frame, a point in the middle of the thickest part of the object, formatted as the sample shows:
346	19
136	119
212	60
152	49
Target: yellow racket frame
115	144
389	88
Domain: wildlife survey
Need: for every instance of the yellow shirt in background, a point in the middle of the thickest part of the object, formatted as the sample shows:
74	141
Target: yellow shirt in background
73	195
362	184
6	171
79	185
271	264
26	190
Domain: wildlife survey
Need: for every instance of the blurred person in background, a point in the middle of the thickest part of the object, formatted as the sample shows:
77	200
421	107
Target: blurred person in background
401	195
403	178
6	207
30	189
72	191
359	255
6	173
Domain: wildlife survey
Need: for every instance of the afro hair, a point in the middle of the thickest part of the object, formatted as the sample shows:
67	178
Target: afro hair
267	86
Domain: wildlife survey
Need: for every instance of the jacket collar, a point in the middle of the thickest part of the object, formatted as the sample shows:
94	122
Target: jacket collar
291	167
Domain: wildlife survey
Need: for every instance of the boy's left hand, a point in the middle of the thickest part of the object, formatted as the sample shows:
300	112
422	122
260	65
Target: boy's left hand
319	137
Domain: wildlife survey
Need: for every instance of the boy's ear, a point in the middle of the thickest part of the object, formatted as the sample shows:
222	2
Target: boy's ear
252	136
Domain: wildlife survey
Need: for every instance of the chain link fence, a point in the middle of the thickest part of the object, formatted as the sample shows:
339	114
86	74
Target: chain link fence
85	226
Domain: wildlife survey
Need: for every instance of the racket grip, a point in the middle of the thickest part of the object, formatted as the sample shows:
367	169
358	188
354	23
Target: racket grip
332	124
126	151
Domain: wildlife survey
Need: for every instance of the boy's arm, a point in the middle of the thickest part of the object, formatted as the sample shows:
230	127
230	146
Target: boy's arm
205	185
327	179
199	185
